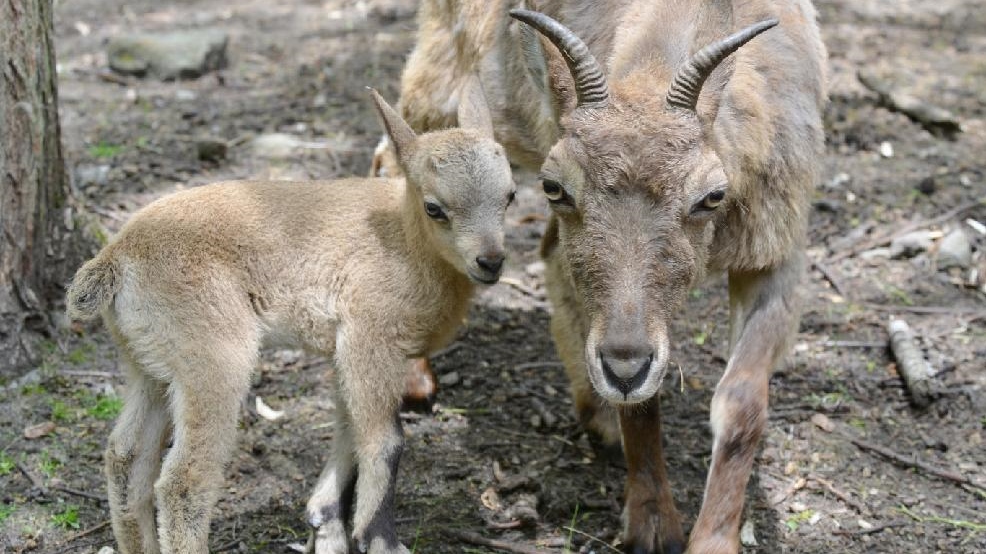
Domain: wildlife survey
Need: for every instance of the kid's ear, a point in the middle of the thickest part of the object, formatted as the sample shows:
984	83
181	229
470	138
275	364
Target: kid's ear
400	133
474	111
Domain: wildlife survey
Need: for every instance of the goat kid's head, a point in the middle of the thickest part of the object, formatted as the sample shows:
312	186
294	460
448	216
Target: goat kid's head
636	188
461	180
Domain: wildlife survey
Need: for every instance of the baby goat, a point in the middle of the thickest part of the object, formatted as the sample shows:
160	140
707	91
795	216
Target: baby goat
371	272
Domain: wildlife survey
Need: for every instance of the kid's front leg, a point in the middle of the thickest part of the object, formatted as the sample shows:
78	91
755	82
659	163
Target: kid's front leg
330	505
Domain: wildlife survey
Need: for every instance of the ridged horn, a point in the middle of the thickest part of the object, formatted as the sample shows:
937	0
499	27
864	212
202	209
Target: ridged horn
688	81
590	83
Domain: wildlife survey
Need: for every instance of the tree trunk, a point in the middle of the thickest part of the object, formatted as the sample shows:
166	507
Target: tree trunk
38	248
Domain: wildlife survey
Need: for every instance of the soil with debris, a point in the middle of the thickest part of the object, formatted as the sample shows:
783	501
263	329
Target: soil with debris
847	464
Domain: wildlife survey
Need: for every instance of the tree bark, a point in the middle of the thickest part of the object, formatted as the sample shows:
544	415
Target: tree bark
38	245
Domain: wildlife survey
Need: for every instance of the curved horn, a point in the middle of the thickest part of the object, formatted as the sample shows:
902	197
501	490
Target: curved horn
688	81
590	83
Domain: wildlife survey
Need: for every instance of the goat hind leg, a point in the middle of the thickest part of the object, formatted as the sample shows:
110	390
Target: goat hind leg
133	461
651	521
205	408
763	318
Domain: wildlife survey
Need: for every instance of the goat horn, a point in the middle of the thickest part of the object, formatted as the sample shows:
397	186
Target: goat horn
590	83
688	81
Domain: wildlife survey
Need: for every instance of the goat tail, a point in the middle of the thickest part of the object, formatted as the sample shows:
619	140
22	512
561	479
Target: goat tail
94	286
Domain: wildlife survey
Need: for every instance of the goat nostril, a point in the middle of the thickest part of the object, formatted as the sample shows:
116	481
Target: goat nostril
491	264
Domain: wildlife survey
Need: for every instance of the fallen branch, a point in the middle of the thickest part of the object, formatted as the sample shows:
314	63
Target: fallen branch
83	494
845	498
507	546
911	365
98	527
911	462
35	482
831	278
954	310
901	231
871	530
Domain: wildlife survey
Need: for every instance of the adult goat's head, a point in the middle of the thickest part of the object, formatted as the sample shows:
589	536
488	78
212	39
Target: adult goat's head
636	187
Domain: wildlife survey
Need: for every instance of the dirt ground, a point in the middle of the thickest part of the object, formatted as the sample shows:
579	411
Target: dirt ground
503	439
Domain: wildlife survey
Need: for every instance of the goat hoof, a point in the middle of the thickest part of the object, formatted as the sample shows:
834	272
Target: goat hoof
420	387
329	538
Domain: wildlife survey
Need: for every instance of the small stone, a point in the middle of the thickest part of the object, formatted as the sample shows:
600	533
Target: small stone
535	421
863	524
535	269
276	145
106	550
91	176
747	536
910	245
211	150
954	250
928	185
839	181
886	149
449	379
823	422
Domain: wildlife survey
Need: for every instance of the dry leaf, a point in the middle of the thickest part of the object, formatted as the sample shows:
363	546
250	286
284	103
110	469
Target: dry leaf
39	430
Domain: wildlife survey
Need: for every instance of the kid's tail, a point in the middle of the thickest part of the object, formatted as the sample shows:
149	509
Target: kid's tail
94	286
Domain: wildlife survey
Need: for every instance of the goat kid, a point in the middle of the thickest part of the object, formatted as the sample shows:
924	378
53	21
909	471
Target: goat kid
371	272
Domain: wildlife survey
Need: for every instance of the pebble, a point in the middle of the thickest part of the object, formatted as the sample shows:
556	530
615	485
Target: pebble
954	250
886	149
106	550
449	379
747	536
910	245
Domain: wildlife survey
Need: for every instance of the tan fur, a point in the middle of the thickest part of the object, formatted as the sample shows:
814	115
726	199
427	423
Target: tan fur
624	249
352	269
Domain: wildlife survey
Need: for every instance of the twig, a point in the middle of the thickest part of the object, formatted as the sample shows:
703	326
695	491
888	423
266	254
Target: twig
956	310
537	365
860	509
911	365
853	344
871	530
81	534
830	277
914	463
523	288
900	231
83	494
446	351
35	482
592	539
479	540
81	373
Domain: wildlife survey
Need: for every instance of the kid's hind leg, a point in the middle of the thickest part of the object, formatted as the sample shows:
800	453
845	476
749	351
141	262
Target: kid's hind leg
331	501
133	461
208	388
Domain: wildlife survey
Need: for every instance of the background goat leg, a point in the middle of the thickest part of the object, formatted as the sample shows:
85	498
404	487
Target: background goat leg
651	522
763	318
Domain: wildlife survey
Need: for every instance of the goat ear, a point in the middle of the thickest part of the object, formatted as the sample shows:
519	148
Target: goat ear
474	111
563	97
400	133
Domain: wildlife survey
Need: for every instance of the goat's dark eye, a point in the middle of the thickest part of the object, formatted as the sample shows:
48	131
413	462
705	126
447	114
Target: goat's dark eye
553	190
435	211
511	197
713	199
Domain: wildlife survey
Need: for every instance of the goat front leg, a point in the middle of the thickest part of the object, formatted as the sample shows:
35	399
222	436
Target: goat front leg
371	380
764	311
651	522
331	501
